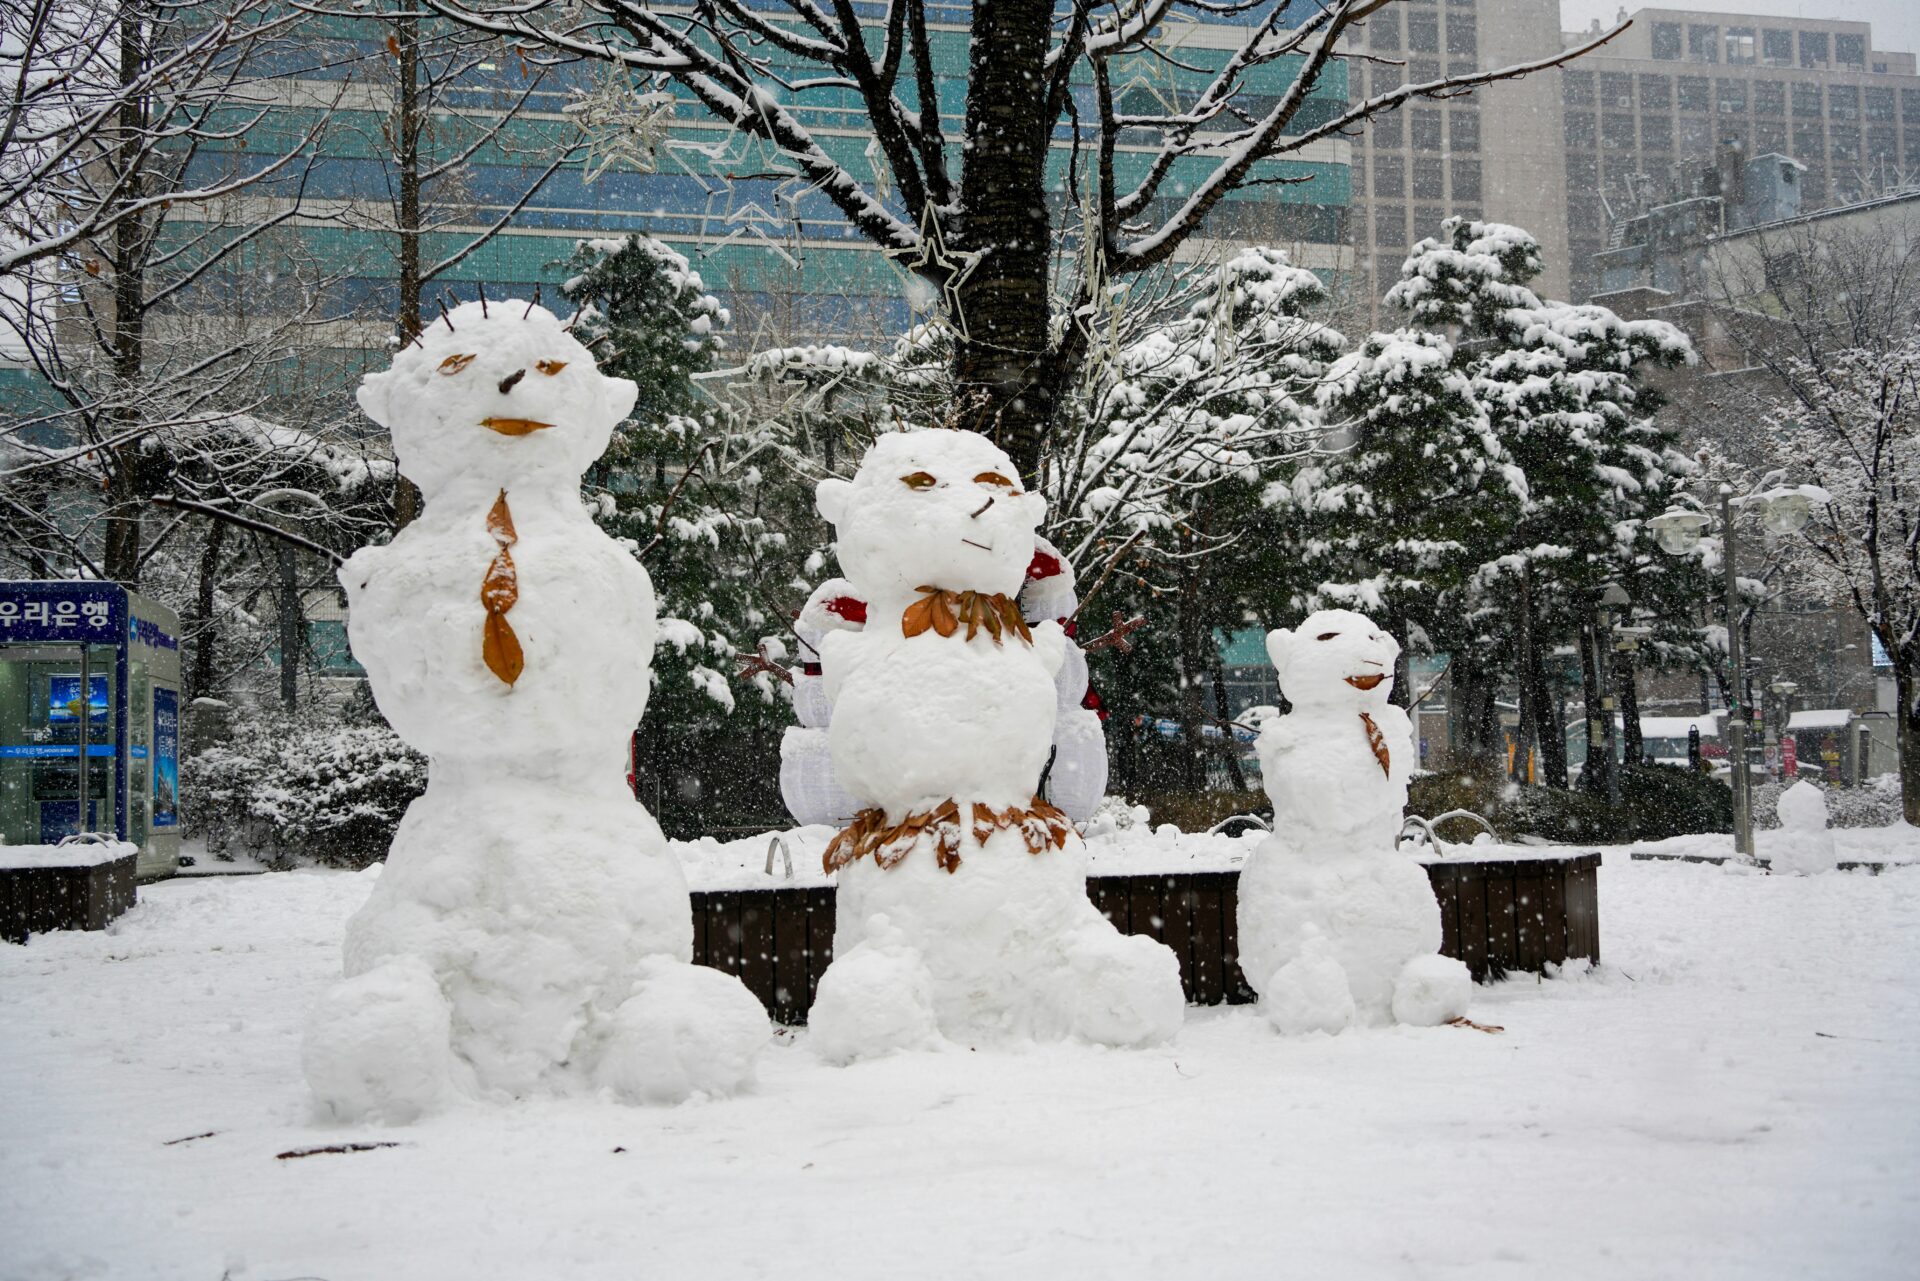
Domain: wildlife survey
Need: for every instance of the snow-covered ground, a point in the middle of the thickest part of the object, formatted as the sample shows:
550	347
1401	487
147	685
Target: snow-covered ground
1729	1096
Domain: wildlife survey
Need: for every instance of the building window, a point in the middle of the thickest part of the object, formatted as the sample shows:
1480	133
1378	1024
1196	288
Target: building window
1422	70
1882	148
1580	129
1427	220
1813	48
1730	97
1703	44
1693	93
1809	143
1813	187
1847	187
1740	45
1389	225
1383	30
1910	106
1843	144
1843	103
1462	35
1659	180
1462	67
1463	130
1656	91
1731	132
1666	41
1850	51
1769	98
1616	131
1576	88
1776	48
1425	131
1466	180
1616	90
1386	79
1389	177
1387	129
1879	105
1583	215
1806	100
1429	178
1696	136
1769	136
1656	133
1423	32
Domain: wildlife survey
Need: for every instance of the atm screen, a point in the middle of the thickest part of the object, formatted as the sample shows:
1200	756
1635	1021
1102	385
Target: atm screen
63	700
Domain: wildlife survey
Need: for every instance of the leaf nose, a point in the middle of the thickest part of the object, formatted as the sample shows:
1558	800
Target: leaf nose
507	383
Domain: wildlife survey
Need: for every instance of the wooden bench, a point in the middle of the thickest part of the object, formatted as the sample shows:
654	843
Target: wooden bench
1500	916
63	887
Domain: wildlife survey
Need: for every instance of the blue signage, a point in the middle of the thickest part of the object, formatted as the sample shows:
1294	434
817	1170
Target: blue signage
62	612
166	757
46	751
150	633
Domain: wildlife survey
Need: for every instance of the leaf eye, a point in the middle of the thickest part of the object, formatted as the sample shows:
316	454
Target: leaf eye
454	364
1326	635
550	367
919	480
993	478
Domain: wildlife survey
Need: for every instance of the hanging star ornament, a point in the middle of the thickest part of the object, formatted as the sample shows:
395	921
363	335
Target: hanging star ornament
932	257
624	127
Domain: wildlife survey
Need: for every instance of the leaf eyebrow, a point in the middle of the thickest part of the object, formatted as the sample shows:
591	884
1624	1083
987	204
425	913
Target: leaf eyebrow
454	364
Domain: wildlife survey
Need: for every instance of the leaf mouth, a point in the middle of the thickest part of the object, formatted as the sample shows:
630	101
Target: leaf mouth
514	426
1366	682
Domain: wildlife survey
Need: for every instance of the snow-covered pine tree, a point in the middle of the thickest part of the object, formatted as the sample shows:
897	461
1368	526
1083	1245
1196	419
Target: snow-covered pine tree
1561	390
687	486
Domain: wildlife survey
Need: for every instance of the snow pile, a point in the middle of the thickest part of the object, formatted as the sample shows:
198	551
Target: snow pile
1806	844
1337	926
961	895
531	930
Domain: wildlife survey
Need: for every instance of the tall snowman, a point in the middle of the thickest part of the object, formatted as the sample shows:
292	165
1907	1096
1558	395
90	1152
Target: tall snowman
1337	927
531	931
962	907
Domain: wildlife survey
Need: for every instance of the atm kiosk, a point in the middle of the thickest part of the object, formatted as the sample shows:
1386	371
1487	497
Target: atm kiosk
90	718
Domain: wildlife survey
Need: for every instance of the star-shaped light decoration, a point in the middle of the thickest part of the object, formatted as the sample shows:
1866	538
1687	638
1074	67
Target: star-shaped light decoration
953	266
882	174
623	126
1226	335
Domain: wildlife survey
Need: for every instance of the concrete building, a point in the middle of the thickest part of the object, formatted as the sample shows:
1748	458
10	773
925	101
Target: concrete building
1578	154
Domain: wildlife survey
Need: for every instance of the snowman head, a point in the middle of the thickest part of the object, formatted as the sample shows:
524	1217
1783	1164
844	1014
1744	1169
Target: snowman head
1335	658
498	395
933	508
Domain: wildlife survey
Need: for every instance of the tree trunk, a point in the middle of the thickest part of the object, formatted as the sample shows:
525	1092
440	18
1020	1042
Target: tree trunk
1594	776
1627	695
1223	717
1004	386
1473	729
1906	732
291	626
1527	726
1192	628
120	557
408	120
206	631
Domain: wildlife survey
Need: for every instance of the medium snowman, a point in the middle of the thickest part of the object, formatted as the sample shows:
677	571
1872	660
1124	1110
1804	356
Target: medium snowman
962	907
1336	926
530	932
1077	769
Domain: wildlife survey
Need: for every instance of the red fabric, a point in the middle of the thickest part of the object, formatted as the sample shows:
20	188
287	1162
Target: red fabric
1043	565
1093	704
851	608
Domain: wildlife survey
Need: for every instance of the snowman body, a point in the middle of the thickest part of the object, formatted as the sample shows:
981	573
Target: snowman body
531	931
961	902
1338	927
1077	767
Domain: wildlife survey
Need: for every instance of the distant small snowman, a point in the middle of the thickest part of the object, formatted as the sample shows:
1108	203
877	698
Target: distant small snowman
961	903
1336	926
1803	844
530	932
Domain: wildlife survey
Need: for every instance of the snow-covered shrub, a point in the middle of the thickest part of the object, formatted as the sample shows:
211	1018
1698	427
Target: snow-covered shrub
1874	803
291	791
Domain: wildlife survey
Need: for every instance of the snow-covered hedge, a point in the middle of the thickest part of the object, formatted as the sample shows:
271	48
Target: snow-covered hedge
290	791
1874	803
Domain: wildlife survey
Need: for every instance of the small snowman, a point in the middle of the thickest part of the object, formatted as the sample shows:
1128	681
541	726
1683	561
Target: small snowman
1076	774
1803	845
807	784
1336	926
530	932
962	903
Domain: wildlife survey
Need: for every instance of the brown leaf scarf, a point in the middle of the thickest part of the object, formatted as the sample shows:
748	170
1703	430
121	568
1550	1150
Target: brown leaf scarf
1041	826
944	611
498	592
1378	742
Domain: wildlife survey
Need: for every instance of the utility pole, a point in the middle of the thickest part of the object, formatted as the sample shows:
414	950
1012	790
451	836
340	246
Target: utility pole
1736	687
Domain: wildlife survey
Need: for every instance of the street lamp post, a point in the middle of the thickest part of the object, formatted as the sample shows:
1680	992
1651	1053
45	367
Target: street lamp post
1782	510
